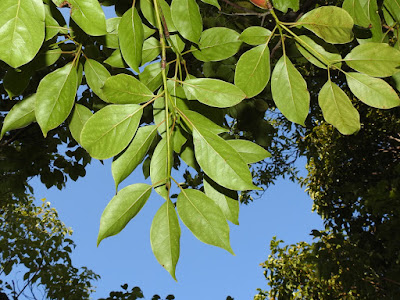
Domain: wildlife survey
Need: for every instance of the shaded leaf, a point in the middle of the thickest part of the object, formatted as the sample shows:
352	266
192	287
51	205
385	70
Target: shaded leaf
249	151
255	35
159	168
151	49
96	75
284	5
79	117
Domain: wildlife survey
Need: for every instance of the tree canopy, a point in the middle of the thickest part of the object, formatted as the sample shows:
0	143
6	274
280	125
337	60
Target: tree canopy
202	87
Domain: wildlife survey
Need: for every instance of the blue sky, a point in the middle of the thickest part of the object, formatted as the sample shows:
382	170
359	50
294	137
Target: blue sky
203	271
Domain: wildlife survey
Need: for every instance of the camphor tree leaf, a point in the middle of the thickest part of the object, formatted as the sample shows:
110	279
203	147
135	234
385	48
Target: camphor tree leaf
249	151
284	5
220	161
151	76
115	60
151	49
22	114
187	19
124	165
372	91
374	59
198	120
52	26
96	75
122	208
131	38
289	91
22	30
55	97
159	167
147	9
393	6
110	130
224	198
15	81
255	35
165	234
204	218
332	24
212	2
316	53
111	37
126	89
89	16
357	12
214	92
216	44
253	71
337	109
79	117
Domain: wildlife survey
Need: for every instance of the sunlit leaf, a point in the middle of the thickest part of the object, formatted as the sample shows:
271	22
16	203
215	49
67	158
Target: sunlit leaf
96	75
79	117
159	167
89	16
187	19
249	151
255	35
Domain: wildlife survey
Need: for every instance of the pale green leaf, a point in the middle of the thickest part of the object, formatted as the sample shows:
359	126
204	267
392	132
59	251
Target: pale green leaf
337	109
357	12
126	89
249	151
79	117
178	138
204	218
217	44
147	31
111	39
253	71
125	164
20	115
159	116
214	92
122	208
89	16
213	3
152	76
115	60
374	59
177	43
393	7
151	49
289	91
52	26
110	130
55	97
187	19
220	161
255	35
165	234
147	9
332	24
319	54
22	30
284	5
198	120
372	91
227	200
130	31
96	75
159	168
166	11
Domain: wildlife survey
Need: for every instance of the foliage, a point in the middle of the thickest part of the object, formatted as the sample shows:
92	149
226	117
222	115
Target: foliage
195	92
33	240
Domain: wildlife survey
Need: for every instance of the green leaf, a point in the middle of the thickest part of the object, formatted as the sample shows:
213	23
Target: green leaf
131	38
178	138
249	151
147	32
357	12
187	19
393	6
213	3
89	16
332	24
159	168
122	208
372	91
253	71
112	33
124	165
22	114
255	35
46	57
55	97
22	30
224	198
126	89
198	120
152	76
217	44
96	75
151	49
15	81
176	42
115	60
284	5
52	26
220	161
166	10
289	91
79	117
374	59
337	109
214	92
319	54
110	130
204	218
159	116
165	234
147	9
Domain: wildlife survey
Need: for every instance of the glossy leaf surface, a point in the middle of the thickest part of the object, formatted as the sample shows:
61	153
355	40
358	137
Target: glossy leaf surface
89	16
187	19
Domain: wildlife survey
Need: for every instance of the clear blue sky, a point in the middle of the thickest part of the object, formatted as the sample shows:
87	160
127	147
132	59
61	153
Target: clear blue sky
203	271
